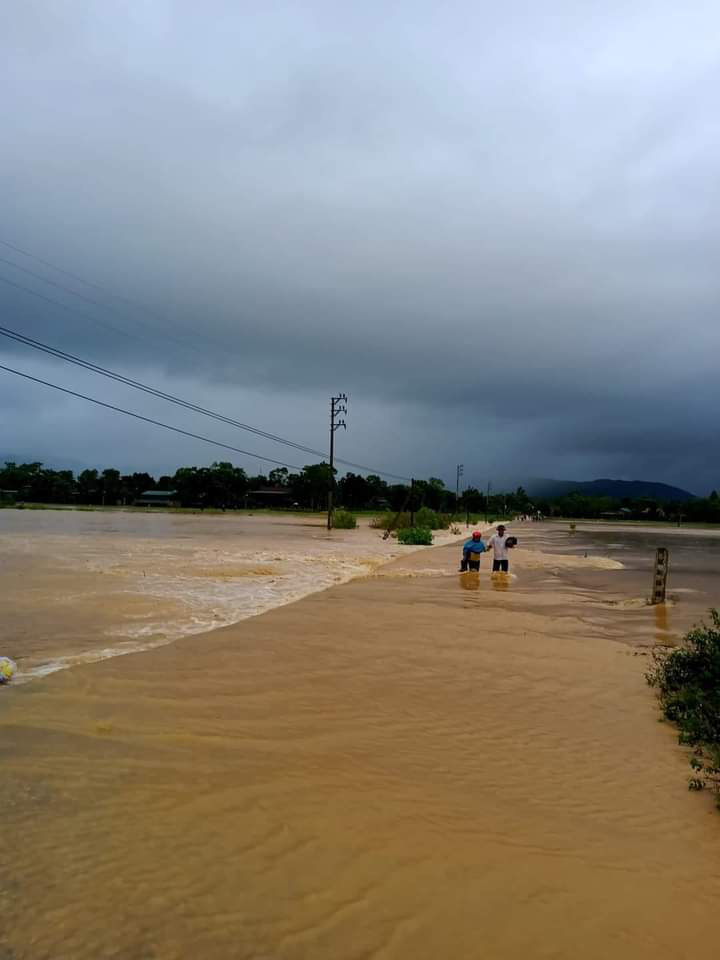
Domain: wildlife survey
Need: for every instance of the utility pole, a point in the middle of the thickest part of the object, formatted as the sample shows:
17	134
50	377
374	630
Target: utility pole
487	502
458	475
412	501
337	407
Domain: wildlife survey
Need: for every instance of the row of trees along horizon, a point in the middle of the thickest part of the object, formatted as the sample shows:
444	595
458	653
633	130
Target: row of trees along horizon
225	486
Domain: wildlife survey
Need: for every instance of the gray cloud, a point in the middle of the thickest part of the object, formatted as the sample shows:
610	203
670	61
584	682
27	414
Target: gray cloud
496	229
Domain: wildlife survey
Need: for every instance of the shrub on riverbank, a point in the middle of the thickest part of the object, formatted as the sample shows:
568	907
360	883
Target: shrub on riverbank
344	520
426	518
391	521
687	679
415	536
431	520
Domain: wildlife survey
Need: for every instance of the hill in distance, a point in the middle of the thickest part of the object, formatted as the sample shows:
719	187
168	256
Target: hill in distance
632	489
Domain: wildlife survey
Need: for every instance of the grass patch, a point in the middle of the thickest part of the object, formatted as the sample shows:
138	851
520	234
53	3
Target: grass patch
687	679
344	520
415	536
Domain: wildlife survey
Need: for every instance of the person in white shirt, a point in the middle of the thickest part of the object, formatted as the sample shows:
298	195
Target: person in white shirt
498	545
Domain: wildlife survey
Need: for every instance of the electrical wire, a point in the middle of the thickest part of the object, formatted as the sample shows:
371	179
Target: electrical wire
161	394
95	303
129	381
184	344
75	276
71	310
139	416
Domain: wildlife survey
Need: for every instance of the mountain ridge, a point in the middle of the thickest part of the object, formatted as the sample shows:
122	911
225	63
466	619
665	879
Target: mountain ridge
607	487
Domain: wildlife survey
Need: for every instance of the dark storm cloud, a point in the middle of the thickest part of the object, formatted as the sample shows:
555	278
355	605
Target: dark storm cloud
496	229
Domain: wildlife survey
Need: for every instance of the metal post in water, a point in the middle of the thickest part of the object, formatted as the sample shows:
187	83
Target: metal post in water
660	575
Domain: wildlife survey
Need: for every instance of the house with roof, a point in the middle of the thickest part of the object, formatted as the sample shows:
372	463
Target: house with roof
158	498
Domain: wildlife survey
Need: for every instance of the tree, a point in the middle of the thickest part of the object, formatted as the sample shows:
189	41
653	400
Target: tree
354	491
110	486
62	486
472	500
310	488
132	485
518	502
278	477
88	486
399	496
226	485
219	485
433	494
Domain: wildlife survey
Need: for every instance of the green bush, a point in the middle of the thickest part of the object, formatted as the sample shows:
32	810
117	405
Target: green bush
425	518
391	521
688	682
344	520
415	536
431	520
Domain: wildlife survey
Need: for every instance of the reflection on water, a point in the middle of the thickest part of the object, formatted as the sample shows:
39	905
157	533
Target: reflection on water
469	580
662	623
500	582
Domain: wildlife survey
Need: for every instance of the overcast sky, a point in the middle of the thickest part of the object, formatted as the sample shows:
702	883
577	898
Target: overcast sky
495	226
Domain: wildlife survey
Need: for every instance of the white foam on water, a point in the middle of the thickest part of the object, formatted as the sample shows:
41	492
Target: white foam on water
211	603
187	584
78	659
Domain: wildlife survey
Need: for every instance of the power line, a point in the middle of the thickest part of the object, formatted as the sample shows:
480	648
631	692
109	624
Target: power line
128	381
137	304
139	416
51	283
75	276
184	345
161	394
70	310
96	303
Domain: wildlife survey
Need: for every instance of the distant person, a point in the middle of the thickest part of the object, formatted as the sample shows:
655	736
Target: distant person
499	543
472	549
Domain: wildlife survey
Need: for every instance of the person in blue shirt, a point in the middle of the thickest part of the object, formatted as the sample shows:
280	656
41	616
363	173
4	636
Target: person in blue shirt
472	549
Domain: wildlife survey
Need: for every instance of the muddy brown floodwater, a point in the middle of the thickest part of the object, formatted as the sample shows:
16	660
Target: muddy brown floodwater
410	766
81	586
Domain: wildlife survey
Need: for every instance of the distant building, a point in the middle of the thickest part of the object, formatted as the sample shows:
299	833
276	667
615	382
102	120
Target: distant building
158	498
8	496
270	496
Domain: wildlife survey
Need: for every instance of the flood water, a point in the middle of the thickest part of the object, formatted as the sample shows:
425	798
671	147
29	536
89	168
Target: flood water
88	585
412	765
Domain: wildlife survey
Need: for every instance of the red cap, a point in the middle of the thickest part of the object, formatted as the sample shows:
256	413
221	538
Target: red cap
477	535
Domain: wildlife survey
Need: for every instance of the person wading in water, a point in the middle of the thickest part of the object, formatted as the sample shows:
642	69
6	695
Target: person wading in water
472	549
499	544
